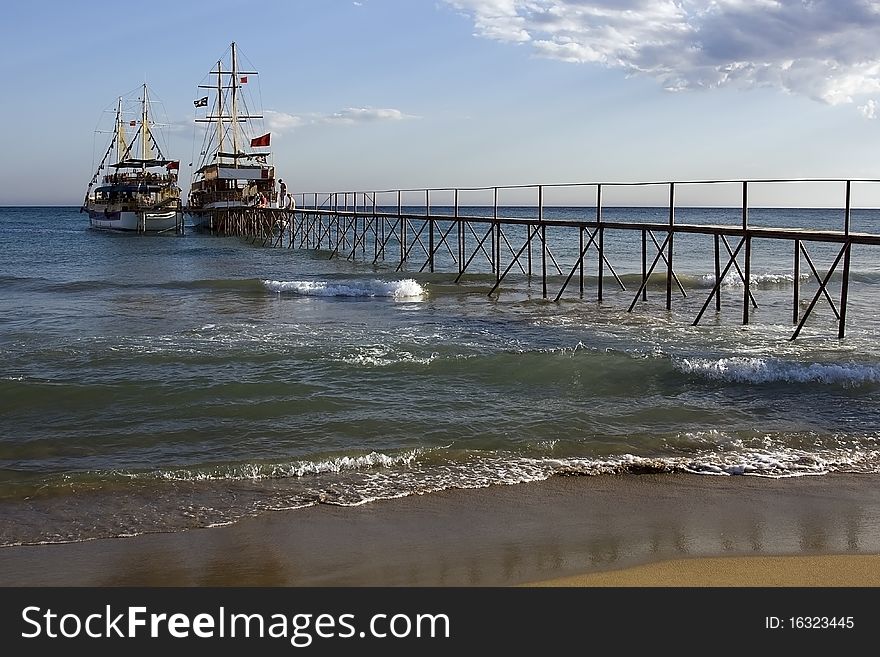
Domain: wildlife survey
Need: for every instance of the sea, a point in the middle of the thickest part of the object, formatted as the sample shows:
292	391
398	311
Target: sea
160	383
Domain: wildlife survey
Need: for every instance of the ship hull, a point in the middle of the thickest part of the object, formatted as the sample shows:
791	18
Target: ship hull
140	221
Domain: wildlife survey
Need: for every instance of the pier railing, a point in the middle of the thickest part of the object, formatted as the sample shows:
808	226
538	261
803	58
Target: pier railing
517	227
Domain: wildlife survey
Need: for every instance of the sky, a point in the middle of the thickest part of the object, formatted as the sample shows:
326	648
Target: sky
389	94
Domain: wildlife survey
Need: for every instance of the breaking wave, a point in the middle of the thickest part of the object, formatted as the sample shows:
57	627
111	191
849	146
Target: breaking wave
769	370
404	289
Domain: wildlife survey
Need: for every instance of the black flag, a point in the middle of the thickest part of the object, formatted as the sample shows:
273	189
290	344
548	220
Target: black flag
201	102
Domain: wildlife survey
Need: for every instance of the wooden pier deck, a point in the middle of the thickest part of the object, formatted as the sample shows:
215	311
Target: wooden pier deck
433	230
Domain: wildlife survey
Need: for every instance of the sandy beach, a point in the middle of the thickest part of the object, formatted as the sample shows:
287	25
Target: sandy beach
645	530
788	571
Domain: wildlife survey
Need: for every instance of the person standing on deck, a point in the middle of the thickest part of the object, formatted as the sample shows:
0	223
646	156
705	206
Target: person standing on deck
282	186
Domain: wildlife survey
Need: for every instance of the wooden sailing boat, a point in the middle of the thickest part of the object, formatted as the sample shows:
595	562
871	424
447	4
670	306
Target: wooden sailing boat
235	168
139	192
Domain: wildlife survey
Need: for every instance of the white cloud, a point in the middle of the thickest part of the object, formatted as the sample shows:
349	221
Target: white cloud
364	115
282	122
869	109
823	49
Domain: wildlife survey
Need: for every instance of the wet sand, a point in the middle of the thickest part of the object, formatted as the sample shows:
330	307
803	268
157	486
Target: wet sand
646	530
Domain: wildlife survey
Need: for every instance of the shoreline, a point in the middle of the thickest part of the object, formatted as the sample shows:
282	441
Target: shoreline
630	530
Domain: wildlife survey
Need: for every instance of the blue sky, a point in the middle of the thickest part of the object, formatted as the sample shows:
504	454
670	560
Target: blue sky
382	94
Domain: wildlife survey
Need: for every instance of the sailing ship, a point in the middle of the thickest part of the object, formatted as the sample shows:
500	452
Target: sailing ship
137	190
235	168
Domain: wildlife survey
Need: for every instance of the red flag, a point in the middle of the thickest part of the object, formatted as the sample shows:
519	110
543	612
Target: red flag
173	165
243	79
260	141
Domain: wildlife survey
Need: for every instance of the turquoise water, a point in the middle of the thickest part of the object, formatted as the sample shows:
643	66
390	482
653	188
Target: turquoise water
159	383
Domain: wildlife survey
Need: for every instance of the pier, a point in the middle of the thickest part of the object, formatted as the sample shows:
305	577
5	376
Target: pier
521	228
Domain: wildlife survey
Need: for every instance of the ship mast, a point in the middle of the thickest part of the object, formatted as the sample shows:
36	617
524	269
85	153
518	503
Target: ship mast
234	105
121	146
144	128
219	109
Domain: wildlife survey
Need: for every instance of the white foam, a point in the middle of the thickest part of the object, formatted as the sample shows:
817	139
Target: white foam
254	471
380	356
371	460
766	370
779	464
733	280
404	289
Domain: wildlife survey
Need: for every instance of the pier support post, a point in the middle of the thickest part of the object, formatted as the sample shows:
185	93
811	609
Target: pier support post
496	238
430	230
747	266
796	283
844	283
644	265
717	273
669	271
404	241
601	243
581	260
